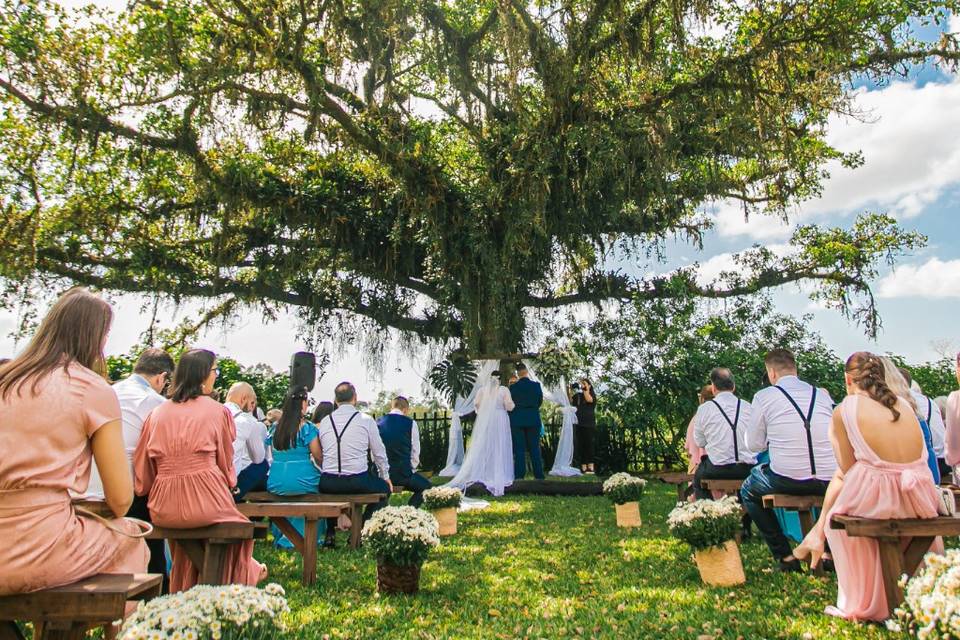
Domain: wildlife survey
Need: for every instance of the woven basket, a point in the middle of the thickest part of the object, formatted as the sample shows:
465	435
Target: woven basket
721	566
628	514
447	517
392	578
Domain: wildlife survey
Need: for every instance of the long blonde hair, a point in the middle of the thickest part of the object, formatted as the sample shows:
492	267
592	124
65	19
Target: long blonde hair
74	330
897	383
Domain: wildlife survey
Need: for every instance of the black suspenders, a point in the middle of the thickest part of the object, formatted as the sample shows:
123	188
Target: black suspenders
733	425
807	422
338	436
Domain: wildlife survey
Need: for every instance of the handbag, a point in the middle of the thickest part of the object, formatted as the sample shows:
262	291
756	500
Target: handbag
947	504
145	527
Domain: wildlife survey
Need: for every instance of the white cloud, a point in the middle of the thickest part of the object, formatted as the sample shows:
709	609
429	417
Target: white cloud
910	158
934	278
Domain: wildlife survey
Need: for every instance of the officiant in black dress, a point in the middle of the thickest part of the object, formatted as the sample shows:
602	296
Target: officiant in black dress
584	398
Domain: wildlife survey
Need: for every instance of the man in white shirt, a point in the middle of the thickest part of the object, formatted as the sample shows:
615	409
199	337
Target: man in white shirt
938	428
401	437
346	437
249	449
720	427
791	419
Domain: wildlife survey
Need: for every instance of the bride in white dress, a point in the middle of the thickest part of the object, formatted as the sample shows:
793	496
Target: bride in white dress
489	457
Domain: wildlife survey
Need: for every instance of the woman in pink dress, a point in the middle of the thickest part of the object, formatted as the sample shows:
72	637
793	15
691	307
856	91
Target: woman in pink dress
882	473
953	428
184	464
56	414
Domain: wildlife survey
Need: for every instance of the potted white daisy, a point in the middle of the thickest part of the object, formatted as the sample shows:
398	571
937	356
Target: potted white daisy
931	604
625	491
710	528
401	539
443	502
229	612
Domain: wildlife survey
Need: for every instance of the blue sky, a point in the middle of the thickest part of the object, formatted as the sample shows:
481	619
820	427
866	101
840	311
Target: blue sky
911	170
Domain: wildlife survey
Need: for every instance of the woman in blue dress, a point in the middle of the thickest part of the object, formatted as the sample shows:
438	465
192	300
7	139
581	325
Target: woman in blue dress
295	444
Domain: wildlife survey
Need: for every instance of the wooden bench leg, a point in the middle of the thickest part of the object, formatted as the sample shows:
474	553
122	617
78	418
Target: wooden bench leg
288	530
10	631
681	491
356	524
913	555
806	526
310	530
64	631
891	564
214	558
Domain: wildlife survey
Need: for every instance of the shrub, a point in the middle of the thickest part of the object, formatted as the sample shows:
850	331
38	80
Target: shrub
231	612
442	498
401	536
623	487
706	523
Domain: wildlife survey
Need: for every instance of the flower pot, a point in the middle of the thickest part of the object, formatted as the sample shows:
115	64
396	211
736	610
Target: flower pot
393	578
447	517
628	514
721	566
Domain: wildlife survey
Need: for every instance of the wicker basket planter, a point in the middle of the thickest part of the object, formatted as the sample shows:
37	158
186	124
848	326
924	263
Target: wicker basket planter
628	514
447	518
392	578
720	566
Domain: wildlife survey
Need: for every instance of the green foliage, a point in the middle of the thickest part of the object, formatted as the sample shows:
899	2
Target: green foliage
441	168
453	377
935	378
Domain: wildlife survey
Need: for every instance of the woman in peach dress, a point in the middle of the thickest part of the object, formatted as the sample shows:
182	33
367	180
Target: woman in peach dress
56	414
882	473
184	464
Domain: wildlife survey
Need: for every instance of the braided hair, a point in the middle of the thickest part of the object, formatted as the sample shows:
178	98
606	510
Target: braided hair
868	373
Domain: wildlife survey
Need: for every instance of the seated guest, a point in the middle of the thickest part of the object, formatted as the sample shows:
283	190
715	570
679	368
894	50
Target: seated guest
401	437
184	463
295	445
695	451
929	411
898	384
249	448
347	437
272	417
952	421
720	427
57	414
322	410
791	420
882	473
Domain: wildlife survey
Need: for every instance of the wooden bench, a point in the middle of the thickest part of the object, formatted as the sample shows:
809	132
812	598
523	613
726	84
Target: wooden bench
727	487
895	560
678	478
205	546
306	545
803	505
357	502
65	613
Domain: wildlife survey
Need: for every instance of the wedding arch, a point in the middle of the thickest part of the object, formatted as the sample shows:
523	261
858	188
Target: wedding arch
466	404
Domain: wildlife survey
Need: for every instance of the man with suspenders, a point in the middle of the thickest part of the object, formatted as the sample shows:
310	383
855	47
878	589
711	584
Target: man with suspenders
791	419
938	429
720	427
346	437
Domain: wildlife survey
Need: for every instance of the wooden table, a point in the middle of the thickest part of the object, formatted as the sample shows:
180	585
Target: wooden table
65	613
357	502
895	560
306	545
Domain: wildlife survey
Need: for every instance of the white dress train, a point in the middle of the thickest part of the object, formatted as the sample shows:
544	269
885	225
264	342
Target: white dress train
489	456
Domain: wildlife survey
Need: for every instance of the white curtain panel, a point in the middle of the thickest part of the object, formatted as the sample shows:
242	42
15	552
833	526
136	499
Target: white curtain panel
463	406
558	394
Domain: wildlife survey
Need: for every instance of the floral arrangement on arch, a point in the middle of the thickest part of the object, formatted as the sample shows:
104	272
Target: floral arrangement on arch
442	498
706	523
555	363
230	612
622	488
931	606
401	536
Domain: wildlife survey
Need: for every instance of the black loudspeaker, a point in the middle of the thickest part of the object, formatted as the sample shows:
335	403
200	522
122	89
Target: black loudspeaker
303	370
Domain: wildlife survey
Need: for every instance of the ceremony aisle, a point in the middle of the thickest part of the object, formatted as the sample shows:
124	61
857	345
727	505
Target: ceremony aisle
545	567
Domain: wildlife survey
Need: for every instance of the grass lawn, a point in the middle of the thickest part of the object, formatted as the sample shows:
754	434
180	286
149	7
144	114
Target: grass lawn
549	567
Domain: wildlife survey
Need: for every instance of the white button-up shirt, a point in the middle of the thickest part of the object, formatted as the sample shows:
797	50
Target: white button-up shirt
414	441
356	440
712	431
776	425
931	413
249	447
137	400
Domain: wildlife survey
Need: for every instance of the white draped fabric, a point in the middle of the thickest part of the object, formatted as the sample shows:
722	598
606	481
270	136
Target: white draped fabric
558	394
463	406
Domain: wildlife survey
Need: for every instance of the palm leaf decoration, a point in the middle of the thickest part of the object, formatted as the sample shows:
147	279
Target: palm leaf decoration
453	377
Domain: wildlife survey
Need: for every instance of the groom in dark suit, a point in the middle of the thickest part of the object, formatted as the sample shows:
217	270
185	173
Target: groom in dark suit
525	423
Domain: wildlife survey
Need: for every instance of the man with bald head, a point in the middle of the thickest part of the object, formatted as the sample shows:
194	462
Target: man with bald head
249	450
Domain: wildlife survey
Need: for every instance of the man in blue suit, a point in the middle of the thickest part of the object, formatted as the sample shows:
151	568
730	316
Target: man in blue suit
525	424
